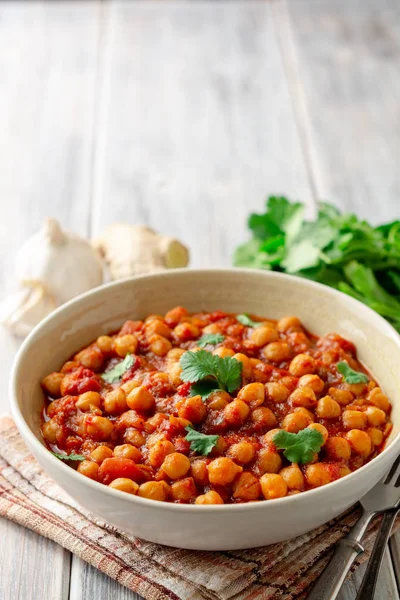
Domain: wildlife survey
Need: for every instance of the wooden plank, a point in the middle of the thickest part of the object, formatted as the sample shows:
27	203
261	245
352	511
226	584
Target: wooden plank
31	566
346	55
47	93
195	122
87	583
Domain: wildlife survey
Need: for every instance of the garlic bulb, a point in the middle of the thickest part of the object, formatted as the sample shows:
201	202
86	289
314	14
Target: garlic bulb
136	249
51	267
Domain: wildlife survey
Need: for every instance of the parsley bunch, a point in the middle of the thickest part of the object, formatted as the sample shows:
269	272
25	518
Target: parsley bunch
115	374
299	447
200	442
336	249
350	375
209	372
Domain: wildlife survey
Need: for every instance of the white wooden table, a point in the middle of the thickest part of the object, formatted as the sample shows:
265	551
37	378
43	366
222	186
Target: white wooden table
184	116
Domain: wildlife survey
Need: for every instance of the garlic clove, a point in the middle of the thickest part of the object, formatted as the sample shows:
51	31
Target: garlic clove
23	309
134	249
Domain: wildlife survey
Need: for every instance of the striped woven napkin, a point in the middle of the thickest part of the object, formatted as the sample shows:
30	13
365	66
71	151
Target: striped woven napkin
281	571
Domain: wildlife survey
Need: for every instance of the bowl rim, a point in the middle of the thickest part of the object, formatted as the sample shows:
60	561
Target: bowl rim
309	495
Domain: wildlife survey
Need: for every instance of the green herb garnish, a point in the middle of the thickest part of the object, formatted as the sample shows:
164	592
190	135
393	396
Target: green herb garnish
245	320
335	248
349	375
69	456
299	447
200	442
210	338
115	374
208	372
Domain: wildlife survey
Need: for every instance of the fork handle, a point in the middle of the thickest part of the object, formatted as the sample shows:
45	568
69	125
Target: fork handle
346	551
368	584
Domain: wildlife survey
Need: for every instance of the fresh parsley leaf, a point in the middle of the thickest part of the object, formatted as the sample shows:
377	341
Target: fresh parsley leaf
337	249
223	373
204	388
200	442
299	447
115	374
71	456
210	338
349	375
245	320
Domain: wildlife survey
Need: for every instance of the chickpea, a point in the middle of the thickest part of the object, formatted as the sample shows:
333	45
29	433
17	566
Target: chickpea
357	389
322	430
253	393
128	386
268	438
303	396
264	335
50	429
277	351
154	490
379	399
263	417
236	412
193	409
130	418
141	399
222	471
159	345
276	392
354	419
220	447
125	344
52	384
375	416
183	490
186	331
360	442
123	484
128	451
212	328
222	351
210	497
268	461
338	448
302	364
287	324
328	408
155	422
115	401
273	486
296	421
175	315
320	474
313	382
159	452
175	353
199	472
176	465
98	427
134	437
218	400
158	327
343	397
247	487
242	452
89	469
175	371
88	399
101	453
246	364
91	358
293	477
376	435
105	343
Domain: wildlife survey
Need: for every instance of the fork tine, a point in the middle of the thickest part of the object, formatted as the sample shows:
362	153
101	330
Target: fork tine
393	470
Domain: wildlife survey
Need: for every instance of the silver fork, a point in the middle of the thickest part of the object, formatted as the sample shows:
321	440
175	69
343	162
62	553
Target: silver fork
384	496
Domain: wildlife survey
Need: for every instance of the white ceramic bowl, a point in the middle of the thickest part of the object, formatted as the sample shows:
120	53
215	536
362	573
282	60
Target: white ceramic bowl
229	527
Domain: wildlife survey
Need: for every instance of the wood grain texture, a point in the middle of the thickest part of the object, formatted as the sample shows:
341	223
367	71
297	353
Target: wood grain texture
184	116
348	56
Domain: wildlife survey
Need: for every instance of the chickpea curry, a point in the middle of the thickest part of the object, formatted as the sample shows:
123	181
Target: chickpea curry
214	408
